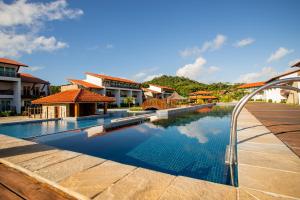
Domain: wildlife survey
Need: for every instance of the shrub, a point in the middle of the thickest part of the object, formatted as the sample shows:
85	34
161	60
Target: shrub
136	109
270	101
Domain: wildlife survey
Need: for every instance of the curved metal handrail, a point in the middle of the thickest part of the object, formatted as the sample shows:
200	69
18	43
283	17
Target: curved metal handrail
231	157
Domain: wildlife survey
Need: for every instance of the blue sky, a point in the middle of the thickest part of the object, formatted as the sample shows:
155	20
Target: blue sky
209	41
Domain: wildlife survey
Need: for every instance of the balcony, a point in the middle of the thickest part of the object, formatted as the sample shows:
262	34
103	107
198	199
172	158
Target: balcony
8	74
6	92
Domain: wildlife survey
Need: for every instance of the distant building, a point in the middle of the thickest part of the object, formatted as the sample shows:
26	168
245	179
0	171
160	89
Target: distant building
18	89
110	86
71	103
158	91
276	95
205	96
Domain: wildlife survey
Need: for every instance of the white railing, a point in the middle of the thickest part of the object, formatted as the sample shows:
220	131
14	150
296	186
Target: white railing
231	150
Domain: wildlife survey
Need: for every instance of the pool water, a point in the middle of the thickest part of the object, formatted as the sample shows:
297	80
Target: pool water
190	145
32	129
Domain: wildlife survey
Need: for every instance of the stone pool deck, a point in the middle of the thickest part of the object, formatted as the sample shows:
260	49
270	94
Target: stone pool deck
267	170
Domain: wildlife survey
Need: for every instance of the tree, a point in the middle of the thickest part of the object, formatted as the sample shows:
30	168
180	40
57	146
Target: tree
128	100
54	89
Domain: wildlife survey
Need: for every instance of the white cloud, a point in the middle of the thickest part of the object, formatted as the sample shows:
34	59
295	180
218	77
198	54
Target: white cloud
146	74
294	62
23	13
213	45
263	75
197	70
13	45
109	46
244	42
31	68
21	21
279	53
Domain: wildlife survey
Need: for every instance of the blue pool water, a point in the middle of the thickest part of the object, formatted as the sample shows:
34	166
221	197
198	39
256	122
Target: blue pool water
32	129
190	145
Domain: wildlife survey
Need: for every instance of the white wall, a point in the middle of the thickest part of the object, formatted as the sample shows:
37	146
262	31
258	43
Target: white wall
157	89
94	80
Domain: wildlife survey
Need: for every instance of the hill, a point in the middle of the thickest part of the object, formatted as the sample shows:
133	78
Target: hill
184	86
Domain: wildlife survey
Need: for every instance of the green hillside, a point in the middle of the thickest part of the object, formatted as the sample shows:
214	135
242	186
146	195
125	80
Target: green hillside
184	86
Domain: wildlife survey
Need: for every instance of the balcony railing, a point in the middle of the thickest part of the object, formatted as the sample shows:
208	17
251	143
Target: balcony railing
6	92
9	74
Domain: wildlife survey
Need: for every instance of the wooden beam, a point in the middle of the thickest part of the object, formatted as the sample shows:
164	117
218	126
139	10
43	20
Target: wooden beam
76	108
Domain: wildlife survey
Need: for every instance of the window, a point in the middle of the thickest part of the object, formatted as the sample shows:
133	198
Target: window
5	105
1	71
26	90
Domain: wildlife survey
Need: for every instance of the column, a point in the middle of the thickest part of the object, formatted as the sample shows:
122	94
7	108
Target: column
140	98
118	97
17	96
76	108
105	108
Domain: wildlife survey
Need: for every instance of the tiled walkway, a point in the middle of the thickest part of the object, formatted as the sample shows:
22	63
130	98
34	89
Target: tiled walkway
267	168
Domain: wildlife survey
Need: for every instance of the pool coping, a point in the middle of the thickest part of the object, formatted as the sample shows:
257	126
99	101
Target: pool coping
29	121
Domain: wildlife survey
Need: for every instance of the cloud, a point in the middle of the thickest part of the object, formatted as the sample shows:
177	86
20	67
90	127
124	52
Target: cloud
31	68
263	75
23	13
294	62
146	74
109	46
197	70
279	53
21	21
244	42
212	45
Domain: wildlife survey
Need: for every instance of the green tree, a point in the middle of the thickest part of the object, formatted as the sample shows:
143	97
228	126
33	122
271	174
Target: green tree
54	89
128	100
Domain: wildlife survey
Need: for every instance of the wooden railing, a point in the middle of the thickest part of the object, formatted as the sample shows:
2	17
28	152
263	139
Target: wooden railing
157	104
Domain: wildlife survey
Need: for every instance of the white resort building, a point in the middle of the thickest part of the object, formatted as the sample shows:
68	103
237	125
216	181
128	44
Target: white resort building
18	89
119	88
276	95
158	91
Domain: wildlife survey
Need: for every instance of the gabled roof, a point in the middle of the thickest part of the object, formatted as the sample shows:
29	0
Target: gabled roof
297	64
28	78
85	84
163	87
283	74
111	78
73	96
200	93
251	85
12	62
148	90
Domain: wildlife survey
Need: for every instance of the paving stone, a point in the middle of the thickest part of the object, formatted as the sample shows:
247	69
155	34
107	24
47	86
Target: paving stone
23	152
193	189
46	160
62	170
275	161
263	195
96	179
140	184
243	195
269	180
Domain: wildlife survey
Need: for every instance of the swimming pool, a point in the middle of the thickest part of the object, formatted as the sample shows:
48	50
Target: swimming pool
190	145
32	129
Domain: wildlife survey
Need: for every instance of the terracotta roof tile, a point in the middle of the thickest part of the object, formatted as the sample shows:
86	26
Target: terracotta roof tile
111	78
12	62
203	97
28	78
85	84
201	92
252	85
73	96
163	87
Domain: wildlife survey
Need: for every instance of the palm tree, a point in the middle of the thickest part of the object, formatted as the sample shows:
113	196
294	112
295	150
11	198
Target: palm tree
128	100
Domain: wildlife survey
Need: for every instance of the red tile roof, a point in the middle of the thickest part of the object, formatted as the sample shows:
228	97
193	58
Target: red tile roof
297	64
111	78
12	62
283	74
203	97
163	87
73	96
200	93
28	78
148	90
251	85
85	84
